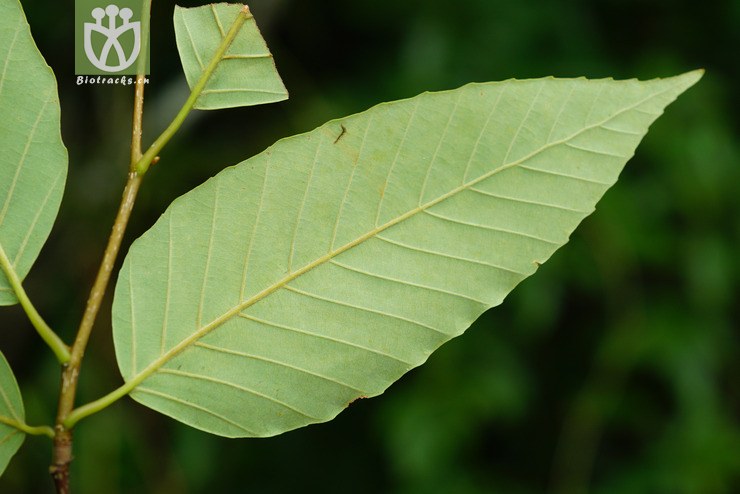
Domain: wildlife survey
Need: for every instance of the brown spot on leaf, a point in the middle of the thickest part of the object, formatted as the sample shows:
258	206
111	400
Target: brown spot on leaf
352	401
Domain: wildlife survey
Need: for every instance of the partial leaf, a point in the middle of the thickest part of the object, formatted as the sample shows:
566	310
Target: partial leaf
33	159
326	267
245	76
11	407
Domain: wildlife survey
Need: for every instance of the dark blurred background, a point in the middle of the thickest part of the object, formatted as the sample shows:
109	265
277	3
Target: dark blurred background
614	370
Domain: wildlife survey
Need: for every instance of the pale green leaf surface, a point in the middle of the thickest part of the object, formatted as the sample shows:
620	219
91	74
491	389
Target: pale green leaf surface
245	76
11	406
329	265
33	159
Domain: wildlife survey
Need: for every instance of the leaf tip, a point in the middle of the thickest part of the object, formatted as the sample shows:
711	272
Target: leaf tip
695	74
688	79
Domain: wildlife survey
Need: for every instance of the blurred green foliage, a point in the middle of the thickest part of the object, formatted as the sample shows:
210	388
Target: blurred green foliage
614	370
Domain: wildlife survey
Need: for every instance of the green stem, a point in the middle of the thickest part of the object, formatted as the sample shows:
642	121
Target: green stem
143	165
47	334
98	290
41	430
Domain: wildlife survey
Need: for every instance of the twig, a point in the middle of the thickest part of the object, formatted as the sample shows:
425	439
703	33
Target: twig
62	452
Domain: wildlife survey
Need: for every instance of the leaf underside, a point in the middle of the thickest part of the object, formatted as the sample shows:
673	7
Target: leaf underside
329	265
245	76
11	406
33	160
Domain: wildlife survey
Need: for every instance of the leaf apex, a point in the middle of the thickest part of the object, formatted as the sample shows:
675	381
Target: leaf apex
688	79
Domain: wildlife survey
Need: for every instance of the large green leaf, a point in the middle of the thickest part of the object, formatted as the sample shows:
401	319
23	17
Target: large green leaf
245	76
11	407
326	267
33	160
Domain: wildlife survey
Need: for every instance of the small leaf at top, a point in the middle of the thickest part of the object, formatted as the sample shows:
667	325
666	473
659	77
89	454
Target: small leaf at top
245	76
11	407
324	268
33	159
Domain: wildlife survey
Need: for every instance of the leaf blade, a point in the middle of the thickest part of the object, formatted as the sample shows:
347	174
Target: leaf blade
245	76
33	160
11	406
381	201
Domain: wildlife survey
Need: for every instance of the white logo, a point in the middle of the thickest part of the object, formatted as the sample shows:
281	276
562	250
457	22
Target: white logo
112	33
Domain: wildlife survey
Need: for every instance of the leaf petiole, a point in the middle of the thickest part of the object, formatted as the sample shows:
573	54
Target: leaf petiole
96	406
40	430
60	349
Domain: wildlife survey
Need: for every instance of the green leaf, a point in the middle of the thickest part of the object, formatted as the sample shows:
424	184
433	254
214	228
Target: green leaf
11	408
245	76
33	159
326	267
